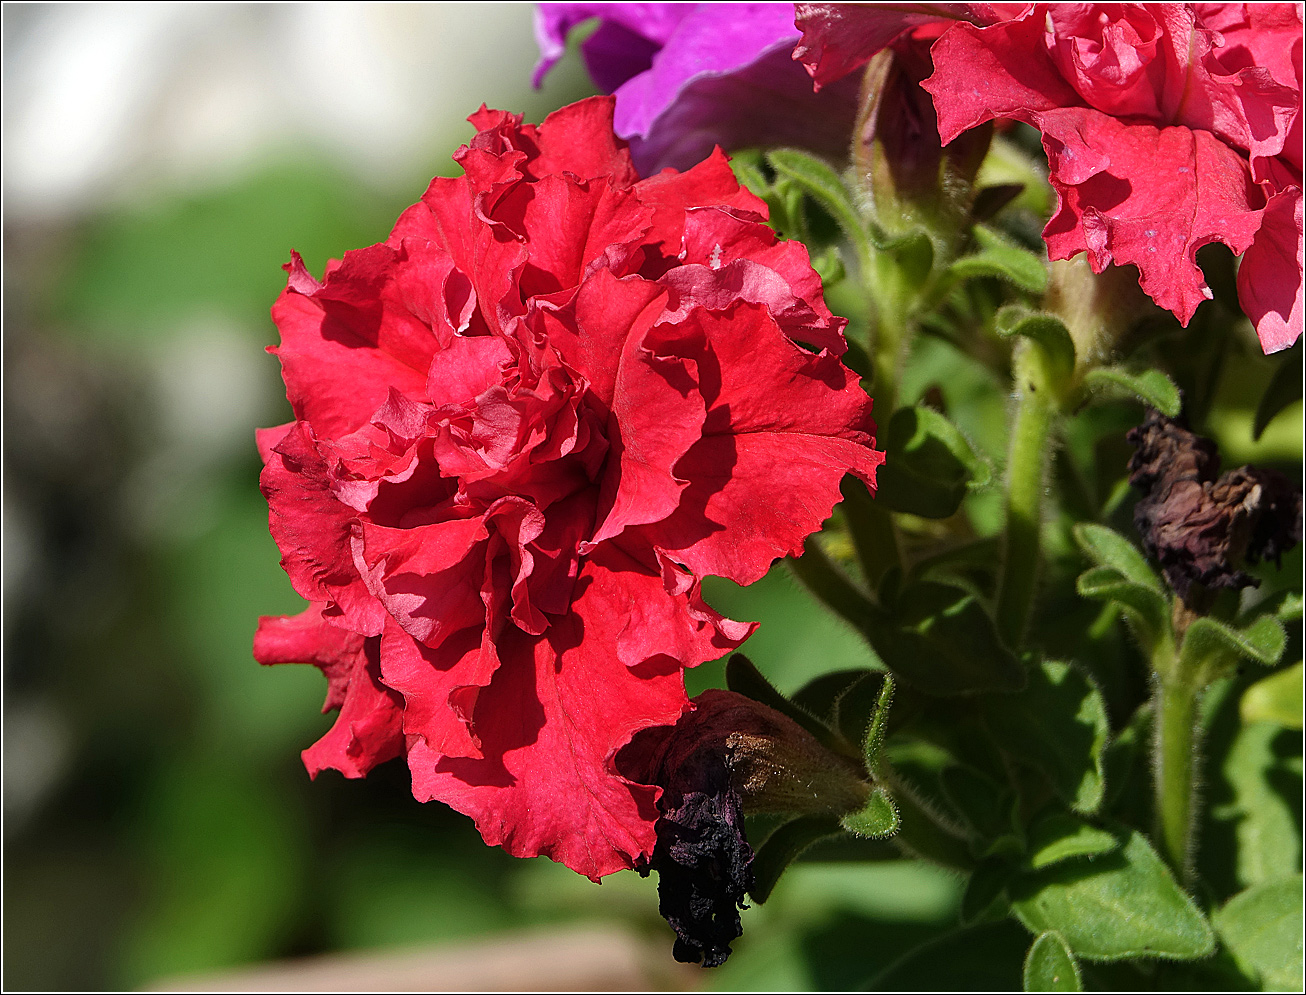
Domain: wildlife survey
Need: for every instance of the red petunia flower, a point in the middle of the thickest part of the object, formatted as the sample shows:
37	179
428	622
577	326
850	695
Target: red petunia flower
527	425
1167	127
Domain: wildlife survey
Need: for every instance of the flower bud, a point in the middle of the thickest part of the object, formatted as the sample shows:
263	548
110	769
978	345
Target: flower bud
909	178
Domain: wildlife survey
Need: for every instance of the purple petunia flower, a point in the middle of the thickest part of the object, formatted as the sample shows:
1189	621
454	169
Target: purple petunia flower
691	76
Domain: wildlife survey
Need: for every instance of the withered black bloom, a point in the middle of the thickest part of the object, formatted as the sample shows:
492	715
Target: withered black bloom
702	858
728	754
1200	525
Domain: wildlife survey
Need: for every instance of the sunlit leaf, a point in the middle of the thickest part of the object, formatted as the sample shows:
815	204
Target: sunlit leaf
1051	967
1262	927
1059	836
1284	388
1152	387
877	819
1277	698
1108	548
1003	259
1117	905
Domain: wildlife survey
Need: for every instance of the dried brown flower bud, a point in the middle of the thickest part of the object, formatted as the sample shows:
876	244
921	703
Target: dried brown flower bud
1199	526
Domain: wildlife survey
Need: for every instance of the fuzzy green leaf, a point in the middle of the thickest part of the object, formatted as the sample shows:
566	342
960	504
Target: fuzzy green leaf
823	184
984	805
747	167
1261	777
1058	836
1262	927
1290	608
1152	387
1114	906
1147	609
821	695
1003	259
1059	725
1051	967
1048	333
930	465
1108	548
877	819
1209	642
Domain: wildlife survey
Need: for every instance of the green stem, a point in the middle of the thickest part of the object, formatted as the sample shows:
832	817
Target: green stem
1175	752
1027	462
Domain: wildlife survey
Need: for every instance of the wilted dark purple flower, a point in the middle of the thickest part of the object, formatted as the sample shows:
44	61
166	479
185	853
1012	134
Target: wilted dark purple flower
1199	524
691	76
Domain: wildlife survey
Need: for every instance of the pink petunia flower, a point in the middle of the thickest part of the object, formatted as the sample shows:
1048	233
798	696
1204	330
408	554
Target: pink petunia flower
1166	126
526	426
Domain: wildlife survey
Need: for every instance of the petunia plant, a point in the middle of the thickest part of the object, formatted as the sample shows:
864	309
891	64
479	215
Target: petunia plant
1057	246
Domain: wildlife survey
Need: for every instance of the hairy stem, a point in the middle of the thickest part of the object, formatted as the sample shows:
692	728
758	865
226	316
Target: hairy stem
1026	472
1175	756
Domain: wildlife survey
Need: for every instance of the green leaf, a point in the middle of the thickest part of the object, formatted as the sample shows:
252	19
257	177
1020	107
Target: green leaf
877	819
974	562
1051	967
1284	388
783	847
1262	927
1048	333
1152	387
744	678
1058	836
930	465
1277	698
1210	646
1000	258
1290	608
1108	548
1148	610
944	642
1114	906
1059	725
823	184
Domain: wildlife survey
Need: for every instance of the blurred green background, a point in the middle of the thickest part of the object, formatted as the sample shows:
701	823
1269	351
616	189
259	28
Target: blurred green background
161	162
